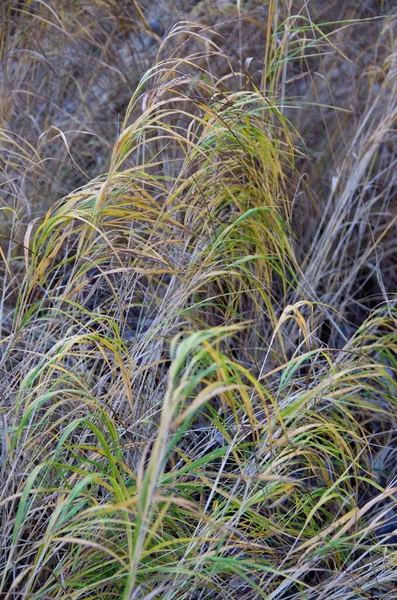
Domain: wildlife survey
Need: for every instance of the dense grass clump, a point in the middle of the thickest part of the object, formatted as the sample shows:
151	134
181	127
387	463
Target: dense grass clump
198	351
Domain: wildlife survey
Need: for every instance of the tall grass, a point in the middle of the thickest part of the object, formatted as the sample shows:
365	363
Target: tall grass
199	343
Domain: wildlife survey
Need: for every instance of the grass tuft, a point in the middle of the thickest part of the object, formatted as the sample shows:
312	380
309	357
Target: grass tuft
198	340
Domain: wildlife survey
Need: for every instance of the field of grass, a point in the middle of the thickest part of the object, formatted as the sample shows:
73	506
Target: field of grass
198	309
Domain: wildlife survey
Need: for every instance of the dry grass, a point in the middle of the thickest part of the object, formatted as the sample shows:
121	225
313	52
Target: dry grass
198	348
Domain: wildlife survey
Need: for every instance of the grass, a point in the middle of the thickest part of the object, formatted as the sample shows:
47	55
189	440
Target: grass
198	348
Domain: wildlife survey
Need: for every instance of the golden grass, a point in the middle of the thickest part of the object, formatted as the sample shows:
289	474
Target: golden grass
199	344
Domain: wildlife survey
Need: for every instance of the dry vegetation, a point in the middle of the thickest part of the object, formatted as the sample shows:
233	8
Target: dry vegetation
198	300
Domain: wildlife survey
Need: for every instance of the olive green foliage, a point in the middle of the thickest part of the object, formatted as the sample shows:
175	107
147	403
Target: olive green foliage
198	352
